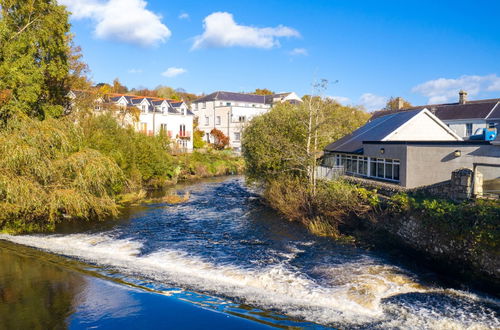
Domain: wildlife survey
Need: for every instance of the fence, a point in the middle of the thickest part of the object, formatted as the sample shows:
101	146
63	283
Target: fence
329	173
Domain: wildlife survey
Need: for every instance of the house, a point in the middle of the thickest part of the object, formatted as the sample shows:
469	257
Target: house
409	148
151	116
229	112
464	117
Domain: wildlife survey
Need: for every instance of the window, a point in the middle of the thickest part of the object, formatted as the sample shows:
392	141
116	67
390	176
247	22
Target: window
217	120
163	128
143	108
182	130
385	169
241	119
237	136
203	105
207	121
491	125
208	137
144	127
221	103
468	129
228	104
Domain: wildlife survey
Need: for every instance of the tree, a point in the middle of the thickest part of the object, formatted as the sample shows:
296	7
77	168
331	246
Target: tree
118	87
34	58
221	140
397	103
288	139
198	135
263	91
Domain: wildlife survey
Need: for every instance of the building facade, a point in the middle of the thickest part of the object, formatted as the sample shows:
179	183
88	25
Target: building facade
464	117
230	112
411	149
151	116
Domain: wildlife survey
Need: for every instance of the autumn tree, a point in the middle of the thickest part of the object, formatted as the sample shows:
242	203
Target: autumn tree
397	103
263	91
118	87
34	58
221	141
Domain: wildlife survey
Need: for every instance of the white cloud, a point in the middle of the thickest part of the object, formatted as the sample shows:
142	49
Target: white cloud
444	90
173	72
372	102
134	71
340	99
122	20
183	16
299	51
220	30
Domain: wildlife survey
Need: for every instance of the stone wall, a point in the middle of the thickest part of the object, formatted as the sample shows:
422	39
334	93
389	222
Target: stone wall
462	185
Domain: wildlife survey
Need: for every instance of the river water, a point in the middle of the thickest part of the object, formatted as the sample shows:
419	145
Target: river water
224	251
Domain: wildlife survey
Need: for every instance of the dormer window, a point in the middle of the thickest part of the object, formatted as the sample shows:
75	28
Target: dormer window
163	109
143	108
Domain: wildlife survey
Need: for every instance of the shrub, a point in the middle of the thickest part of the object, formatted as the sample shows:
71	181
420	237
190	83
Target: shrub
47	174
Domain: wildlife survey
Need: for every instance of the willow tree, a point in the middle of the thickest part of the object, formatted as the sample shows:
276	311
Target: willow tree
35	46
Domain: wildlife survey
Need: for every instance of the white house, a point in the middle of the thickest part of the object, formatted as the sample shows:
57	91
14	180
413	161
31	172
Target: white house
229	112
463	117
150	115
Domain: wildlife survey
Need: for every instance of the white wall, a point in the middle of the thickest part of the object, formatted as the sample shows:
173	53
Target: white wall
422	127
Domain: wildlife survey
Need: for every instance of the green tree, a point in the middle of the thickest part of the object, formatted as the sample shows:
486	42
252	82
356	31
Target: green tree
289	138
34	48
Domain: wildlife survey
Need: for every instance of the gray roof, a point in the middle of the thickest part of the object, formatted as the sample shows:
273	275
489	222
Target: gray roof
230	96
374	130
479	109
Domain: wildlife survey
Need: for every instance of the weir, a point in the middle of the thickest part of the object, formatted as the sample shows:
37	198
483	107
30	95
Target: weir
224	243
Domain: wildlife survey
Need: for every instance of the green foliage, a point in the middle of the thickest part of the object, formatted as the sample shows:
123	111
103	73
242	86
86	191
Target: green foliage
323	211
198	141
145	160
34	65
47	173
276	142
210	163
476	222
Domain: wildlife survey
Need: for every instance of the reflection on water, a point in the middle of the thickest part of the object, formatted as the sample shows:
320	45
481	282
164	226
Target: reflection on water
35	294
244	260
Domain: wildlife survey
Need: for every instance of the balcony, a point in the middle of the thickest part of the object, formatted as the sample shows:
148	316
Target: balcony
184	135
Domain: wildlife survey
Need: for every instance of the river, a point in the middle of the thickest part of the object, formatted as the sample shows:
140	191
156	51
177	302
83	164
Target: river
226	253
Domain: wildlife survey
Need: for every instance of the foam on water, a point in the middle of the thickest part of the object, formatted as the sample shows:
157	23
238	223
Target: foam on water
350	293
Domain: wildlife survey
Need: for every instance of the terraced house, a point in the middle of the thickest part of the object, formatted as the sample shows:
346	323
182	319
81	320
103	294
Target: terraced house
229	112
151	116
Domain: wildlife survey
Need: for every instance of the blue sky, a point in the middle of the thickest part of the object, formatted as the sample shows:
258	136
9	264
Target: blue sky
422	50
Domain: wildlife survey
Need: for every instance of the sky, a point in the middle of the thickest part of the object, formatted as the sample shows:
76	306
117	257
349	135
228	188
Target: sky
424	51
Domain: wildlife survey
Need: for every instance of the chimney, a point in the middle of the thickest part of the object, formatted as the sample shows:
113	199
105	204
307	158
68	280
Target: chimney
399	103
462	97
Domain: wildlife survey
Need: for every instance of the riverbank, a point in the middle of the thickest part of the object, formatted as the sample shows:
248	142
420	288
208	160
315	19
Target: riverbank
85	168
457	239
223	250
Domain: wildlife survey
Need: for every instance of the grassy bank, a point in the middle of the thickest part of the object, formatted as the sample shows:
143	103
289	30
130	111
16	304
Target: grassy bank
57	169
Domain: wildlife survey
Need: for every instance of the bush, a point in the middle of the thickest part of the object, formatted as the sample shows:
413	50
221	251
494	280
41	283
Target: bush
47	173
145	160
322	212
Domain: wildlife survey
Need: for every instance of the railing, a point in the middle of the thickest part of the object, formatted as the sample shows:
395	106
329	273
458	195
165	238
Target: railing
184	134
329	173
